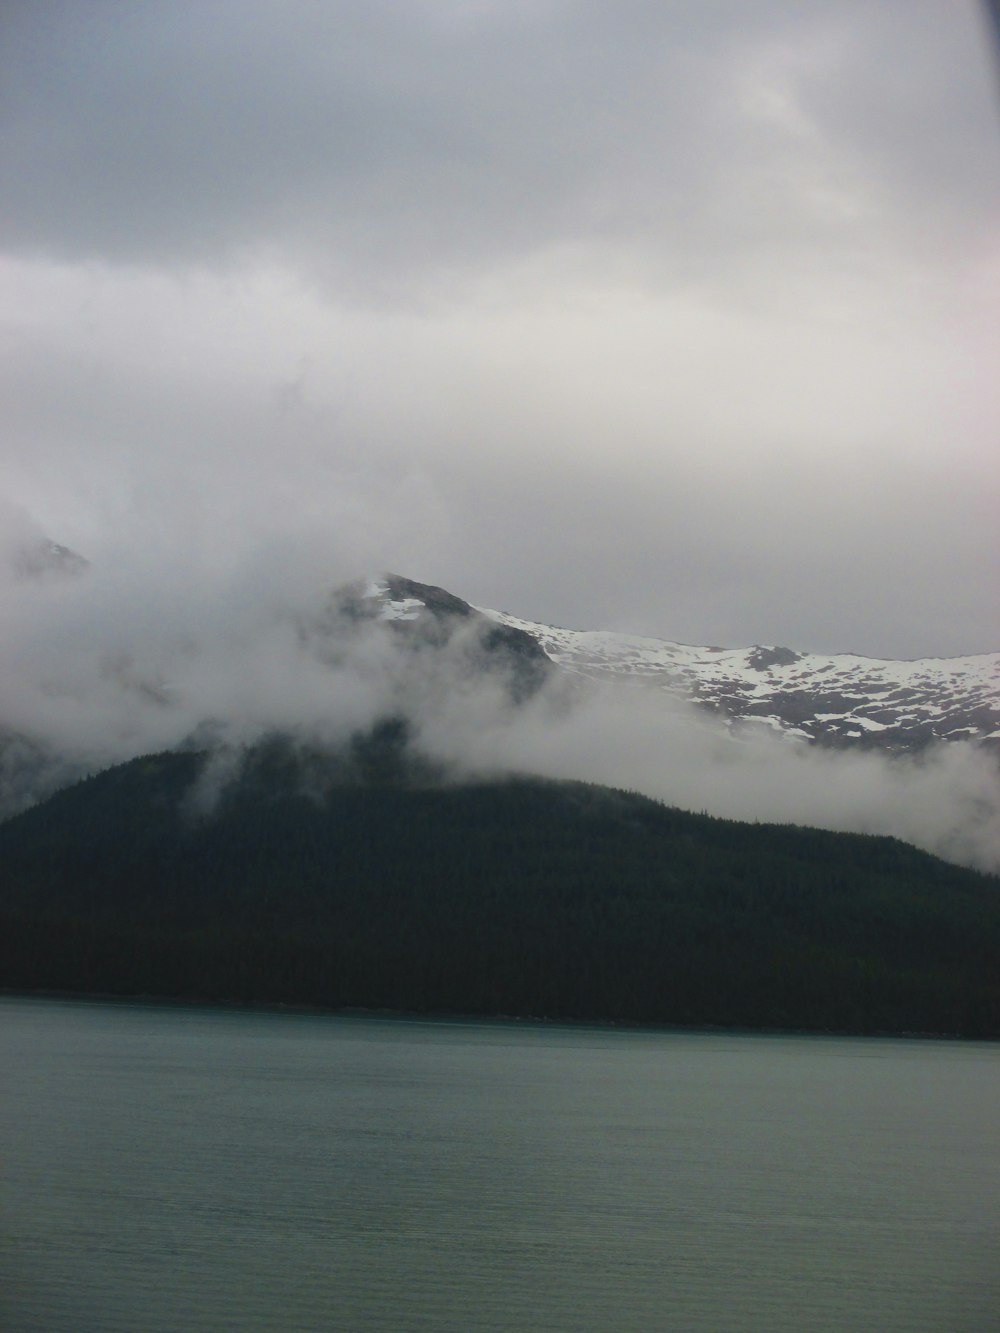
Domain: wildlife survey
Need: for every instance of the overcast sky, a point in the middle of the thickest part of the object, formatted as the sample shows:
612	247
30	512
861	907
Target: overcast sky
671	316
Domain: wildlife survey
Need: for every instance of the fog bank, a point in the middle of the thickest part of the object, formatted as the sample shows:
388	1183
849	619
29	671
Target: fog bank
143	656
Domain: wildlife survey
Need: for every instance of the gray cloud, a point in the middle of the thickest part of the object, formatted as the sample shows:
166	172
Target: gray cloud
945	802
581	473
671	318
379	140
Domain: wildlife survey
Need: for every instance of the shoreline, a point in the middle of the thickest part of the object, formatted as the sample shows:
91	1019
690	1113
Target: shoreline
279	1007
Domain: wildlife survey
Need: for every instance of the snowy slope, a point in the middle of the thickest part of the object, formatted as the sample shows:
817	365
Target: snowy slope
841	698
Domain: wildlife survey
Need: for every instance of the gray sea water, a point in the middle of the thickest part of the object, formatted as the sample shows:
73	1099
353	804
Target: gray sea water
185	1169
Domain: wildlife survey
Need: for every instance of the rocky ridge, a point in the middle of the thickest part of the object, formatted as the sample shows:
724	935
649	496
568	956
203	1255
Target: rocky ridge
829	699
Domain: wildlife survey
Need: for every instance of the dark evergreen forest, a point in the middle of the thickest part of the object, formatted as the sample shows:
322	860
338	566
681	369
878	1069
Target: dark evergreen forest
361	881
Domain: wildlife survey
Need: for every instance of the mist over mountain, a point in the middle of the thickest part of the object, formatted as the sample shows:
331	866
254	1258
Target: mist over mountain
26	553
128	659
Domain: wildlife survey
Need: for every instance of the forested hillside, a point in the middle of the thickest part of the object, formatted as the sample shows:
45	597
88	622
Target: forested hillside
366	882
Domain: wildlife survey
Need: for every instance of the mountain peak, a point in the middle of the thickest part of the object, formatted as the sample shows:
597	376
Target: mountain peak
43	559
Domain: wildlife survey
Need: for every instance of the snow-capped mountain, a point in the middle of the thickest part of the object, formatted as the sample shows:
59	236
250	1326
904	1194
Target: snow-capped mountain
294	670
840	699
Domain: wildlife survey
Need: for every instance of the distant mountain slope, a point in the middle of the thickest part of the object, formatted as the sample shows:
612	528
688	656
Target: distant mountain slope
41	558
831	699
353	880
838	699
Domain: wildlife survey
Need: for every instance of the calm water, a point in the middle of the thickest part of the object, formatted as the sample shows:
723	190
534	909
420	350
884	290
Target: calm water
196	1170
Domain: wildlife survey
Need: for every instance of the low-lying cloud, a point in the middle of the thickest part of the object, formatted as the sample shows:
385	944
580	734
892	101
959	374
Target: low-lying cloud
945	800
131	660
